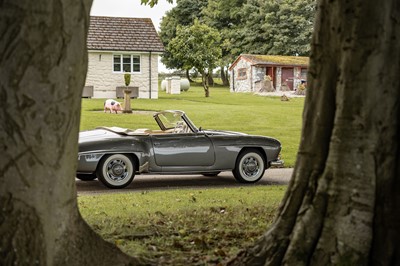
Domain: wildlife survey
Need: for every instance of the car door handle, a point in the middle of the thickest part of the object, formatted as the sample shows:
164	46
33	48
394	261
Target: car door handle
157	144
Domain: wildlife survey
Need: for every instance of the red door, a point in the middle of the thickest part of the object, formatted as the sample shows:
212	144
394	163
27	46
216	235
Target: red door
270	72
287	77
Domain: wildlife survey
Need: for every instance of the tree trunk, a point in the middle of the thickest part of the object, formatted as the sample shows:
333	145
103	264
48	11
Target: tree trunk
224	77
188	75
204	81
43	64
210	80
342	204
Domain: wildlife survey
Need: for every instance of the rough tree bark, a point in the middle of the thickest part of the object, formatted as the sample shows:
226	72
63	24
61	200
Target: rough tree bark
224	77
204	81
210	78
342	205
43	63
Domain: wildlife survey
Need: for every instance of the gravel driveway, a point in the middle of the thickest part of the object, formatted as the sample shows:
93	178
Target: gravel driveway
274	176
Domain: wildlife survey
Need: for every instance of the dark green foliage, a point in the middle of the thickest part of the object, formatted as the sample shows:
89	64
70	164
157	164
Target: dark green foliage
275	27
289	26
281	27
152	2
224	15
197	46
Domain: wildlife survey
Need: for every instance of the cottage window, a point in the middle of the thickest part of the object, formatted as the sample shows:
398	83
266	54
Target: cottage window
126	63
242	73
117	63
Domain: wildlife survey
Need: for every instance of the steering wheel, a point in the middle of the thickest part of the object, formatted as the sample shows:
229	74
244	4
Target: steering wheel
179	127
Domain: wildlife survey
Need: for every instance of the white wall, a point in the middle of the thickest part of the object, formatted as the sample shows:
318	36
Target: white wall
100	75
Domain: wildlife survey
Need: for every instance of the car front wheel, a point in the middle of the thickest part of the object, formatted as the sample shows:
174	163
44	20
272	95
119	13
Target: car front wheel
116	171
250	166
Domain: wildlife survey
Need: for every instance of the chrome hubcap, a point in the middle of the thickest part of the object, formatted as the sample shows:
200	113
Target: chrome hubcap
250	167
117	170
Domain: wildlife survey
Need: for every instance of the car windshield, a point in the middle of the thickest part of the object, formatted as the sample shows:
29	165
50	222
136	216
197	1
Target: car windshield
170	119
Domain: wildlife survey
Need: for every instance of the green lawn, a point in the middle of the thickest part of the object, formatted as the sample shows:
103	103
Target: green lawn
183	227
248	113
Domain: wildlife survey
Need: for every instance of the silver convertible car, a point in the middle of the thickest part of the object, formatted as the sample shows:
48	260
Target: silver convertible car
114	155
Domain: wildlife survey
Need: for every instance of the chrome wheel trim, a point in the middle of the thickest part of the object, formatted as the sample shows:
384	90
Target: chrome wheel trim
117	170
251	167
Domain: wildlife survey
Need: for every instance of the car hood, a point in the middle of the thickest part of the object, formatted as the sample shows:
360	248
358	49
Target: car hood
255	138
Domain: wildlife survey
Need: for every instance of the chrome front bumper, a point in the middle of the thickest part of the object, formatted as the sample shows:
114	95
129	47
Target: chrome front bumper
277	163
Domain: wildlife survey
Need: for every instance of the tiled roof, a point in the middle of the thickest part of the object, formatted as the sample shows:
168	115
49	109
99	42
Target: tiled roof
123	34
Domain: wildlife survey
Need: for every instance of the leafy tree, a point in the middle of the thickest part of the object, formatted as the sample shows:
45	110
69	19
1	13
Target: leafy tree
167	32
197	46
262	27
223	16
248	36
288	26
152	3
183	14
281	27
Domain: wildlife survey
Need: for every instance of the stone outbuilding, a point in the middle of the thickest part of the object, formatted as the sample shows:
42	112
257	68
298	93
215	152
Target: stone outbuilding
250	72
122	45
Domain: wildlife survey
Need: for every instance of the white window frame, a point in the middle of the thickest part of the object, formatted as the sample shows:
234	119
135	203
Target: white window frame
121	56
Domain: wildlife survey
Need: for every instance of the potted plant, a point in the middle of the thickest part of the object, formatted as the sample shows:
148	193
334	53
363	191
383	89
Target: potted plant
127	78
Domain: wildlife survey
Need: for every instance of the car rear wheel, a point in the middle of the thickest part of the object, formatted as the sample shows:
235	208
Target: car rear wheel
250	166
86	177
116	171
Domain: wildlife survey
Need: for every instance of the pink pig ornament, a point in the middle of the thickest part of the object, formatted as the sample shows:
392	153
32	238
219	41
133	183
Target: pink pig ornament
112	105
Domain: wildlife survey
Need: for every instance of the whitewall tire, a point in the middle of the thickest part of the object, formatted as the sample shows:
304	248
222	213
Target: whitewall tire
250	166
116	171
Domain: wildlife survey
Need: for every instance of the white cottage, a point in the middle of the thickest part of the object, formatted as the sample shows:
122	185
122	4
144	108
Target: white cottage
286	72
122	45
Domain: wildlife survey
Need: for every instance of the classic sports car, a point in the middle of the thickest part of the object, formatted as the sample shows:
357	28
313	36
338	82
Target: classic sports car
114	155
